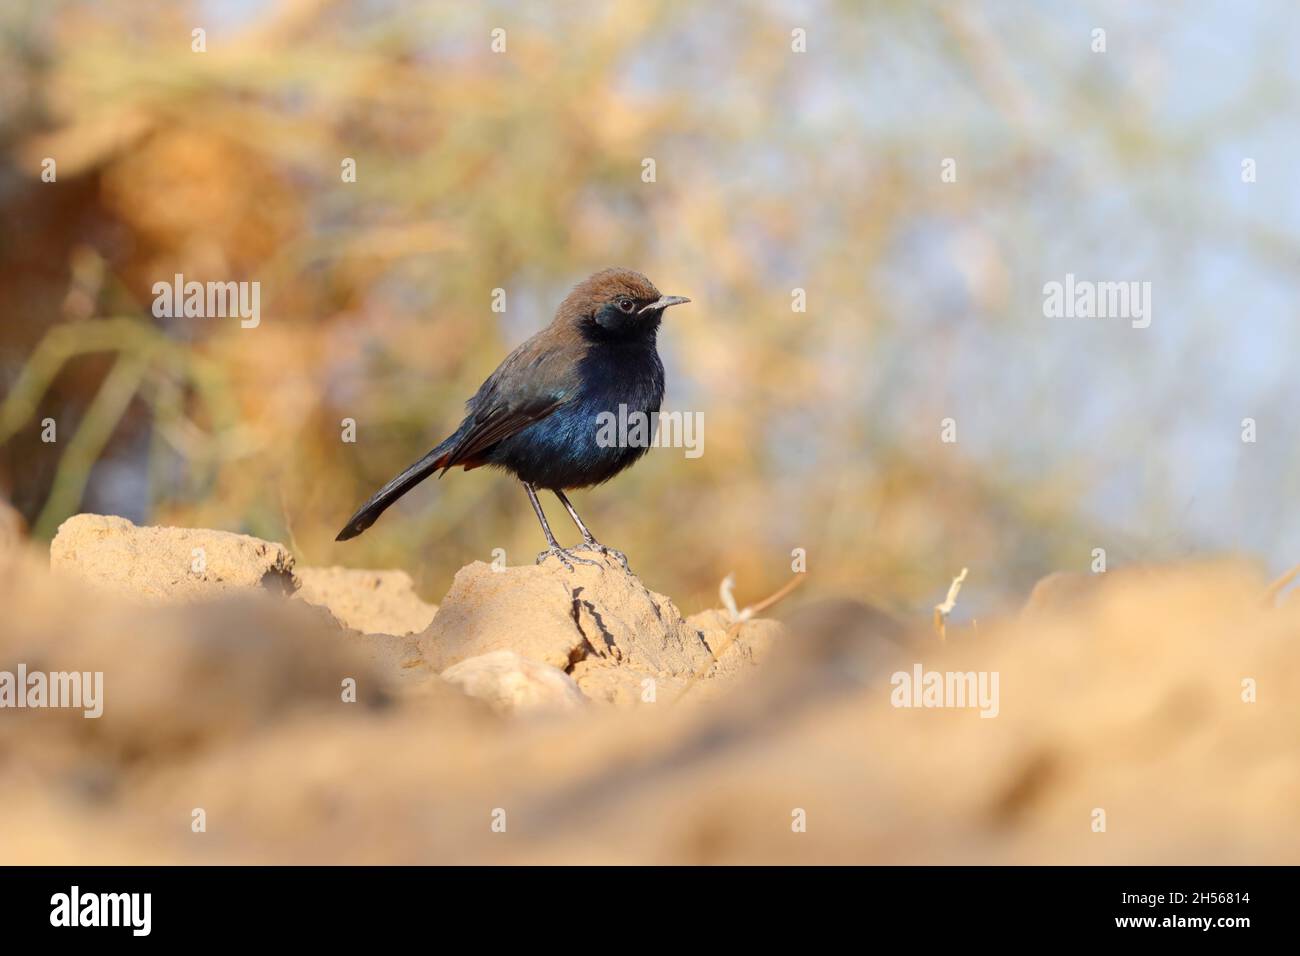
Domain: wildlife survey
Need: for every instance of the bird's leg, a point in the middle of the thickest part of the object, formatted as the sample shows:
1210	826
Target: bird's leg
566	558
589	542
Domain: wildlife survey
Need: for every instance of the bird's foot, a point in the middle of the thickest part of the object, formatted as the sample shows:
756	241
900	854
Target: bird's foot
566	557
598	548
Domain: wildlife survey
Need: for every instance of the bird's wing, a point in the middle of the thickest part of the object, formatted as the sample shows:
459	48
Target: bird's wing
533	381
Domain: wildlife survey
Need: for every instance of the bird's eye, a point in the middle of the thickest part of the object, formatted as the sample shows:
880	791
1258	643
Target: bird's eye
625	304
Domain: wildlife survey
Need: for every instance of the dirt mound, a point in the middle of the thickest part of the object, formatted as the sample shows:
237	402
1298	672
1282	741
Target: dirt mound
373	602
597	624
620	641
1142	718
515	684
167	565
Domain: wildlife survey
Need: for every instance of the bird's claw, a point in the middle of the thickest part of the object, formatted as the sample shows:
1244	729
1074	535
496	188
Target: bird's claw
598	548
567	557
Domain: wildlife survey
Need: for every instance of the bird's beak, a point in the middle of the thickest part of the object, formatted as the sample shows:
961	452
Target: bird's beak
664	301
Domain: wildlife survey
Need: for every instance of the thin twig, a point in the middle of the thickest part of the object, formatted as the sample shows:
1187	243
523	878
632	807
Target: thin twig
941	611
734	629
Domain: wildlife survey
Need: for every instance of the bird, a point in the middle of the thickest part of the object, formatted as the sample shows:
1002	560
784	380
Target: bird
536	417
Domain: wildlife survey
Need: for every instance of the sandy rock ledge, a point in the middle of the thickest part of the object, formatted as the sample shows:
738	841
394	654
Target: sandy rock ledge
530	638
599	624
167	565
373	602
514	684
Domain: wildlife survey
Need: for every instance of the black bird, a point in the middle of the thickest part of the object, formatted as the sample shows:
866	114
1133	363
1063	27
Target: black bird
536	416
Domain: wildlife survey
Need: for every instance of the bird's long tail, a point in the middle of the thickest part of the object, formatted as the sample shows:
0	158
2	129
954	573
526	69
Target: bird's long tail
386	495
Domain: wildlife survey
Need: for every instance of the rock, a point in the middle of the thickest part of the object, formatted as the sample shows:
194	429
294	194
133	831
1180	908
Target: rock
559	617
514	684
372	602
736	654
751	643
619	642
611	683
167	565
395	656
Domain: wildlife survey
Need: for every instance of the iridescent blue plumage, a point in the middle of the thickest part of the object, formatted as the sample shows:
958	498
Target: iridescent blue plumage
569	448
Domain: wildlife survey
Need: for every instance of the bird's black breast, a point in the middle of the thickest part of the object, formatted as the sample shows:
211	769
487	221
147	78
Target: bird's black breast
569	448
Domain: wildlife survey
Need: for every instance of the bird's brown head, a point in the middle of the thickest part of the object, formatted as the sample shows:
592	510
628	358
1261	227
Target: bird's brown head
615	303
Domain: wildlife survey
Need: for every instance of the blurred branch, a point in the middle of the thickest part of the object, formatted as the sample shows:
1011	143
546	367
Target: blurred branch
141	350
88	443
